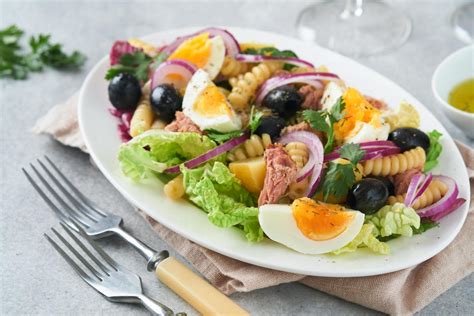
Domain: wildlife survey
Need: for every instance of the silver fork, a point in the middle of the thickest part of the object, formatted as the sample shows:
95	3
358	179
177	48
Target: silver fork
83	212
112	280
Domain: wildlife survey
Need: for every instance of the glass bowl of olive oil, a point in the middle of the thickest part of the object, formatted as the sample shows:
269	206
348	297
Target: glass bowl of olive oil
453	86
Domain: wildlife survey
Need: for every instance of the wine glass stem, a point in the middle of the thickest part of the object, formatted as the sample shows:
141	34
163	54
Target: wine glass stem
353	8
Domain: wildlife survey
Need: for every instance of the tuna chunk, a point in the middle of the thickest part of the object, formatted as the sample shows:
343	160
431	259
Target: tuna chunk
182	123
311	97
281	172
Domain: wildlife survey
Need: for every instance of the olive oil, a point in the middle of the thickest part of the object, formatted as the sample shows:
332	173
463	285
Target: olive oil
462	96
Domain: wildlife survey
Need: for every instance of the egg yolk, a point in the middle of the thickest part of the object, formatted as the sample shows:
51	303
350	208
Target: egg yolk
211	103
357	110
196	50
320	221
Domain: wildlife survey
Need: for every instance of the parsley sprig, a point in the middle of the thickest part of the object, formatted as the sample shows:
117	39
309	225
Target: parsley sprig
16	64
273	52
324	121
340	177
137	64
254	123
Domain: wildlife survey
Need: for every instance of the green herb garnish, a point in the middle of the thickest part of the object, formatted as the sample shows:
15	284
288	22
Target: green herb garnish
324	121
425	224
220	137
433	151
16	64
340	177
255	119
273	52
137	64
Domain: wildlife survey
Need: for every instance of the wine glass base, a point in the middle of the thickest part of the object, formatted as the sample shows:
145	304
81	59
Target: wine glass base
374	28
462	21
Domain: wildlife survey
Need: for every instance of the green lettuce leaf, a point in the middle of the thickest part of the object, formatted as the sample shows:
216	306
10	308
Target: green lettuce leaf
365	238
219	193
434	150
156	150
394	219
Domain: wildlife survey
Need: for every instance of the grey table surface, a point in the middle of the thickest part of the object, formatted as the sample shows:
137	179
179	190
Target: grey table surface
34	279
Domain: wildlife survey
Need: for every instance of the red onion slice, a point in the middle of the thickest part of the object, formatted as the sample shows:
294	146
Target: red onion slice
123	125
120	48
422	187
411	192
246	58
225	147
231	45
180	67
316	156
448	203
311	78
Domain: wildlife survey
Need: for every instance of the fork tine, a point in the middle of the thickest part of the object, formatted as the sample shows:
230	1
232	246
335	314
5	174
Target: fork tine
99	250
77	254
68	259
55	209
65	206
68	195
87	251
78	193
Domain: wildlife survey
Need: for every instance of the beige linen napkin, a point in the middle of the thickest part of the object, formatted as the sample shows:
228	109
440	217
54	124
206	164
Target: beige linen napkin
399	293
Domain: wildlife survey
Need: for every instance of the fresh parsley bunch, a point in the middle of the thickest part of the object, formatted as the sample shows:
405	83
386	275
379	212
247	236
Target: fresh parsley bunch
339	177
324	121
17	65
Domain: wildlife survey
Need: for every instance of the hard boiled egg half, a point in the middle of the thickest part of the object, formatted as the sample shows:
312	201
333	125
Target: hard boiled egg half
206	105
310	227
206	53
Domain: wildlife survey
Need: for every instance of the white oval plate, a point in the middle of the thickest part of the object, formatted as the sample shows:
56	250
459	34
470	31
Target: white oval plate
100	134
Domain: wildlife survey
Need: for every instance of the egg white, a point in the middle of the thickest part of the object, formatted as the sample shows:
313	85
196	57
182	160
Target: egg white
223	123
367	132
278	223
216	57
331	94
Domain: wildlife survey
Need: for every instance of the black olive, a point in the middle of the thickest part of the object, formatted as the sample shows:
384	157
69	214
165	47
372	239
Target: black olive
368	195
284	100
165	101
271	125
388	184
408	138
124	91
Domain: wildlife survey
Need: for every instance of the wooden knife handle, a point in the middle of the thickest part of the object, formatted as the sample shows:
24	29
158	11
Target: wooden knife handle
205	298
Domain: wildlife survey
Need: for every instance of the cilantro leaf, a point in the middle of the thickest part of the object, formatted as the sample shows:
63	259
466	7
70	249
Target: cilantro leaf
352	152
337	180
324	121
220	137
255	120
434	150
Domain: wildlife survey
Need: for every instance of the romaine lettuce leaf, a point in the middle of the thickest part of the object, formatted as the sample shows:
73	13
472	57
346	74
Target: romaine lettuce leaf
156	150
219	193
433	151
394	219
365	238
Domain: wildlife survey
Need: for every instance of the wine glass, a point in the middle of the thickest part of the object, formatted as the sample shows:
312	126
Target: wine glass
462	21
355	28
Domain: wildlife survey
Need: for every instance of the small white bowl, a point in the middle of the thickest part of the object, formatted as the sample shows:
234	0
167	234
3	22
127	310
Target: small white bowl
454	69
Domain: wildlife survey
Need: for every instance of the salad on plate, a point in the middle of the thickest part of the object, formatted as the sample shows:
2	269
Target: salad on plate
273	145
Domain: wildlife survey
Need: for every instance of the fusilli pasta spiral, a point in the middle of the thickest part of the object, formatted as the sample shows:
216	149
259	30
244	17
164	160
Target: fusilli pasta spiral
299	154
233	68
244	86
142	118
175	188
392	165
253	147
435	191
